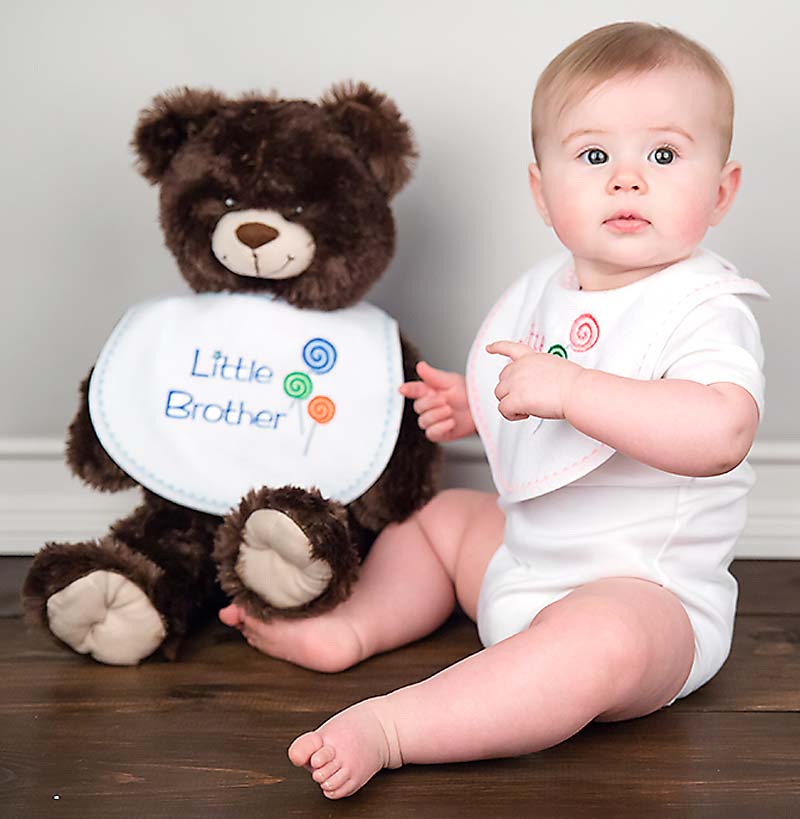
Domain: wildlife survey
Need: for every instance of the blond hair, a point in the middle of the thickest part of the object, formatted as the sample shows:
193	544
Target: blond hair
626	49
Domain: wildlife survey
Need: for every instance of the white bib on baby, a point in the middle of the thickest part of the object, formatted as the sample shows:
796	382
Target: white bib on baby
201	398
621	331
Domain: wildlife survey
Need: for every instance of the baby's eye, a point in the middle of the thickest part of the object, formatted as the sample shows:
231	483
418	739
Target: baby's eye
663	155
594	156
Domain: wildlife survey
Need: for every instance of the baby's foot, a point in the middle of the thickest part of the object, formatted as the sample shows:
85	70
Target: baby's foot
349	749
328	642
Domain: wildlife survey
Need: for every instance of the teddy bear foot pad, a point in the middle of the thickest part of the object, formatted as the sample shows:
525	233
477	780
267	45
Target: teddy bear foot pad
276	562
107	616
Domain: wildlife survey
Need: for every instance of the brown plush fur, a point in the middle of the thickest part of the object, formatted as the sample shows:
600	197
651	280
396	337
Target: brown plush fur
86	457
341	160
325	525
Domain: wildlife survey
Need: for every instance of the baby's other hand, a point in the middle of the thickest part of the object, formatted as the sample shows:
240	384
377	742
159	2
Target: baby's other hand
440	400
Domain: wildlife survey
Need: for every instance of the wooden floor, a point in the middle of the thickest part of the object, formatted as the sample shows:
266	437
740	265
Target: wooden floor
207	736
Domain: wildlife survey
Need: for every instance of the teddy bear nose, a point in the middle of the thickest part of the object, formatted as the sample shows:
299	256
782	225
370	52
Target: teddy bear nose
254	234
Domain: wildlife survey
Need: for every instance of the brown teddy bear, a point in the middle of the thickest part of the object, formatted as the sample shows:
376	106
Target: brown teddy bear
260	415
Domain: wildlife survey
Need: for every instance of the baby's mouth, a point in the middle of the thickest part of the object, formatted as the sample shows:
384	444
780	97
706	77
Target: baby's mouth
626	216
626	222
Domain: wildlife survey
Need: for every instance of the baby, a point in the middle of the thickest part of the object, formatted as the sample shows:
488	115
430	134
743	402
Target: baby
628	376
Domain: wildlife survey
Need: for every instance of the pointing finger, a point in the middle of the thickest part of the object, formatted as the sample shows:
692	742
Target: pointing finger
512	349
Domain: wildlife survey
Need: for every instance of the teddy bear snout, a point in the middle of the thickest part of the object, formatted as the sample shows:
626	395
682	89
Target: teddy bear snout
256	234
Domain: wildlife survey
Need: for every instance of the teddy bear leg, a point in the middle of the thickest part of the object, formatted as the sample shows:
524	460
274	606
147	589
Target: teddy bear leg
286	552
92	597
132	592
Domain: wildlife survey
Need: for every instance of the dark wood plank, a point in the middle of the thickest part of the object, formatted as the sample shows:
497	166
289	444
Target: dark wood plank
768	586
12	576
208	735
202	757
762	672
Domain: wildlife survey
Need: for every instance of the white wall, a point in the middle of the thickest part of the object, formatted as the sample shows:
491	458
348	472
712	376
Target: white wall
80	227
80	232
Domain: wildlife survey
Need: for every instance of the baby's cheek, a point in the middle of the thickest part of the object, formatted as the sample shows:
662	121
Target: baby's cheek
564	200
691	224
568	223
690	219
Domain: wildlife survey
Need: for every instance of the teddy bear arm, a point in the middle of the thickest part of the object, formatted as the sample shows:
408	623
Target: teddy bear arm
85	454
410	478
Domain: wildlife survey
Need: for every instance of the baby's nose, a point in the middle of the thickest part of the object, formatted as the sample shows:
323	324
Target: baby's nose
626	180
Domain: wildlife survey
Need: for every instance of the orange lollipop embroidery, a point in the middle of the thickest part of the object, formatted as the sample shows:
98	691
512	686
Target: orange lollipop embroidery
321	409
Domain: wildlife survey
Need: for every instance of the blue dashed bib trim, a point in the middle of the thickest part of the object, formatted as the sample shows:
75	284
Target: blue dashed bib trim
117	446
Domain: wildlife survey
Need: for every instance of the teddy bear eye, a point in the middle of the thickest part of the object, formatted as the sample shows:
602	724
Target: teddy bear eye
294	212
229	201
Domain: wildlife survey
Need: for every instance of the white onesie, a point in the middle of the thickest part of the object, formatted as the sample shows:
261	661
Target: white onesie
576	510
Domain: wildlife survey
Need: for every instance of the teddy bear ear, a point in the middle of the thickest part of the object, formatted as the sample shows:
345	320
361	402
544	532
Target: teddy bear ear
371	120
172	119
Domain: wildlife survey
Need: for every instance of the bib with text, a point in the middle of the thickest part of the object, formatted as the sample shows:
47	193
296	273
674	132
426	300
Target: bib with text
201	398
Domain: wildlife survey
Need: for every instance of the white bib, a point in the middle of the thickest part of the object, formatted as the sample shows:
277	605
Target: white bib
201	398
621	331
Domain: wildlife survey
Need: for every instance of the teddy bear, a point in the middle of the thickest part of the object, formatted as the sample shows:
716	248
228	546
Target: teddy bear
260	415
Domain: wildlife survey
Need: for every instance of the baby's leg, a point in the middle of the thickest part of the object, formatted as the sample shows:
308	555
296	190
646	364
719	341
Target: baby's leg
406	588
613	649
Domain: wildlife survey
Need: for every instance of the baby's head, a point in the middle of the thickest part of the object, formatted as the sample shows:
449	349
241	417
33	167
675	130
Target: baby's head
632	120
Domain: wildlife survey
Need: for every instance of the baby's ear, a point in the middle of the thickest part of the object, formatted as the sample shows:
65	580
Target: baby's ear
373	123
172	119
535	181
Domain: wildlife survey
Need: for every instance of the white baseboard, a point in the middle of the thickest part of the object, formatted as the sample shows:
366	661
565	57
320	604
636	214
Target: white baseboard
40	501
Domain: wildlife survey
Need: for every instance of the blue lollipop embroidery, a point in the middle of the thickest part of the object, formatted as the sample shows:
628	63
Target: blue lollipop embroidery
319	355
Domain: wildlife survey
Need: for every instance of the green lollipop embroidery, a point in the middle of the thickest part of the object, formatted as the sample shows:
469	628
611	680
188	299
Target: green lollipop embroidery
558	350
298	385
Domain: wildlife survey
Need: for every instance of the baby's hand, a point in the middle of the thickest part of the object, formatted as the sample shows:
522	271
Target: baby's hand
440	400
533	383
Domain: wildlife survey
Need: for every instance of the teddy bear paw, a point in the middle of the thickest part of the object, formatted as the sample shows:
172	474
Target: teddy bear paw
276	561
107	616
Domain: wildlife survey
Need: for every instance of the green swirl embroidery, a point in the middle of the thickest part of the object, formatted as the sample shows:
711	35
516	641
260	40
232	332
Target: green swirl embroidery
297	385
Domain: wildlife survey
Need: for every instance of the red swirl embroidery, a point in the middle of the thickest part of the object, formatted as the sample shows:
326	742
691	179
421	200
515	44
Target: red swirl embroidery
584	333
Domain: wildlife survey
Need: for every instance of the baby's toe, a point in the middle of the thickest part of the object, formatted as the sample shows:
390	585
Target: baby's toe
304	747
347	789
324	773
325	754
336	782
231	615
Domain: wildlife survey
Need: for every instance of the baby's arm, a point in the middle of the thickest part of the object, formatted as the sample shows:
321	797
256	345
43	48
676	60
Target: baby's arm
678	426
440	400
